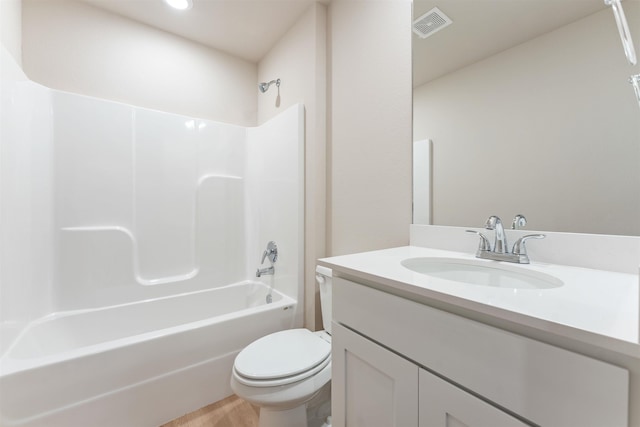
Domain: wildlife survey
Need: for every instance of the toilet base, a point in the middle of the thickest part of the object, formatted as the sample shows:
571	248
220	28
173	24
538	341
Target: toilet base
319	408
294	417
312	413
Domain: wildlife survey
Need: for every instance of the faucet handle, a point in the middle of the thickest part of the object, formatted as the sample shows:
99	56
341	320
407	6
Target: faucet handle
484	244
519	221
519	248
271	252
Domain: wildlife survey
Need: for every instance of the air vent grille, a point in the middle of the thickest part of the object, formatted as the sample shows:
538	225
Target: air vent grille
430	23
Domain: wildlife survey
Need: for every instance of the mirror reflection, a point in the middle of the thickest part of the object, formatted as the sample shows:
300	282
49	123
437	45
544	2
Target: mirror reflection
525	107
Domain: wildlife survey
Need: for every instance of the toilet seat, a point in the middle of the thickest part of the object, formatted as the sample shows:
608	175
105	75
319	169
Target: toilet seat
282	358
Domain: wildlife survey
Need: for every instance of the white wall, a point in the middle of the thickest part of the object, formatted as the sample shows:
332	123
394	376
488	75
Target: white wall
26	202
299	60
370	125
532	129
142	190
137	203
274	168
150	204
75	47
11	27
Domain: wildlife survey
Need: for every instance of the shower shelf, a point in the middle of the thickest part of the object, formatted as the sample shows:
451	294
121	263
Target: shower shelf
136	263
134	249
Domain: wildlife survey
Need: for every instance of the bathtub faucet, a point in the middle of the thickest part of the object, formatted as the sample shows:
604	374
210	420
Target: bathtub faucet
264	271
271	253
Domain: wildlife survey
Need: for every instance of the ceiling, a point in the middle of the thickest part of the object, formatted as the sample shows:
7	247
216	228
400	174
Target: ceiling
244	28
482	28
249	28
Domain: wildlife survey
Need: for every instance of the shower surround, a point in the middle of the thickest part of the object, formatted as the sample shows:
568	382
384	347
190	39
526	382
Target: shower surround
130	240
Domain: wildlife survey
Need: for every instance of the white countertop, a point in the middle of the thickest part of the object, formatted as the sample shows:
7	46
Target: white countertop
594	306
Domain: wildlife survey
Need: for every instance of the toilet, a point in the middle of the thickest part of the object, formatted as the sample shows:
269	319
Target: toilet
287	374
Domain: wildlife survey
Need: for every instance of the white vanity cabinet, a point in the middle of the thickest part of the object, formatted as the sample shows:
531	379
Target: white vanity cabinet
398	362
377	387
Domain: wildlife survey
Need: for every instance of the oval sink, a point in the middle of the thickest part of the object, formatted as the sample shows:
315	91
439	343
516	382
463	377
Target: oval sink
481	273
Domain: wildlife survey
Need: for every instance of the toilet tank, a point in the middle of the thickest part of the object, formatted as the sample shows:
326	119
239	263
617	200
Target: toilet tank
324	277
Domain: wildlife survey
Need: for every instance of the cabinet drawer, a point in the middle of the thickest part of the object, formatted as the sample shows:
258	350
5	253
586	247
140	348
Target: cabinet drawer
445	405
544	384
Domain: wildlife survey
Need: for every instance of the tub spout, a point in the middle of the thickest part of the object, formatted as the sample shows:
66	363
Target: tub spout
264	271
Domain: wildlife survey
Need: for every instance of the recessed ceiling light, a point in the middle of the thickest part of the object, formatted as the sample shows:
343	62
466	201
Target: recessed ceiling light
180	4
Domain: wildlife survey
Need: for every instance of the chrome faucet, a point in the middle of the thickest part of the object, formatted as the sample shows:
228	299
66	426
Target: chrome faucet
265	271
272	254
500	251
500	242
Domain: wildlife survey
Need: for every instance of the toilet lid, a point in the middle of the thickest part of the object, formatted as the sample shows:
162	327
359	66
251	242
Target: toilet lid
282	354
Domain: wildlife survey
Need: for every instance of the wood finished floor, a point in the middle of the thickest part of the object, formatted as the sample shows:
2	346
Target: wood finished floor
229	412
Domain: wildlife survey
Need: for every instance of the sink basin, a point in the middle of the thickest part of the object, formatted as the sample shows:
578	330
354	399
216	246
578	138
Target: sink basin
481	273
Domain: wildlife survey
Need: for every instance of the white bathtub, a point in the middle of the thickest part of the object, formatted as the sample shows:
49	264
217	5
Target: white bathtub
134	365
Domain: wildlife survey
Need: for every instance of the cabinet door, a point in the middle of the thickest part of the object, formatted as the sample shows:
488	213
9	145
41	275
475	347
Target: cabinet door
444	405
371	386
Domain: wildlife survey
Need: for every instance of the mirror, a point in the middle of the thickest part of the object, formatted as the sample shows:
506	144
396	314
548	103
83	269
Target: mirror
525	107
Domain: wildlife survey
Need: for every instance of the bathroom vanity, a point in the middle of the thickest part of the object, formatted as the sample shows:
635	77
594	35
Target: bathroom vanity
430	348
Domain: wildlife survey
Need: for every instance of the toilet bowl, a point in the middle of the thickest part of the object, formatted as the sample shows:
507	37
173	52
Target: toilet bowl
288	373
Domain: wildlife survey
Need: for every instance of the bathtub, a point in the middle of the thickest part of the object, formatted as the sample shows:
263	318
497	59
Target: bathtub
138	364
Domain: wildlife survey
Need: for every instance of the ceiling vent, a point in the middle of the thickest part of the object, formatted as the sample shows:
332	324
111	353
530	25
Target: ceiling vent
430	23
